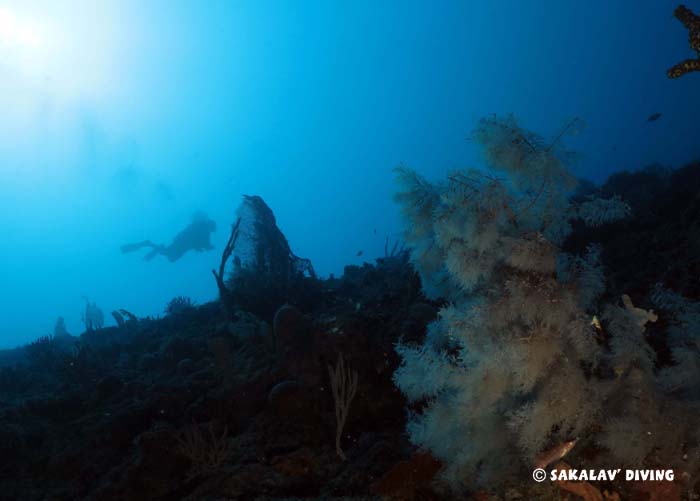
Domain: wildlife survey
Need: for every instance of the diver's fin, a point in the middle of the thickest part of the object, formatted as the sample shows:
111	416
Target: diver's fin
134	247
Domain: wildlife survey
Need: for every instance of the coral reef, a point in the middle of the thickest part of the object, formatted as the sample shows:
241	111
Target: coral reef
124	318
265	272
409	480
263	264
207	405
179	304
516	362
664	230
112	419
264	248
206	452
691	22
93	318
42	351
344	385
59	329
220	275
290	330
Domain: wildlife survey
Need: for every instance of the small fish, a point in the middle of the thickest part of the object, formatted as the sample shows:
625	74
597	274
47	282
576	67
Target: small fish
554	454
654	117
375	231
359	253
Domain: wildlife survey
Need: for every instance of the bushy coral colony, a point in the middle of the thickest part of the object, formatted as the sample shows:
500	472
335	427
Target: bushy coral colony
524	356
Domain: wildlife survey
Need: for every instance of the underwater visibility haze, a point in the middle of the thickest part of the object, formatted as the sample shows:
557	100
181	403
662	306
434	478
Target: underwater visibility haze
360	250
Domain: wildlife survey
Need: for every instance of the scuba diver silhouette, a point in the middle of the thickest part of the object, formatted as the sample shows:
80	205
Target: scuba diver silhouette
194	237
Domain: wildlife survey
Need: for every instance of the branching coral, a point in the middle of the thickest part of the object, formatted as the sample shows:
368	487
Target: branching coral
93	318
179	304
124	318
344	385
42	352
691	22
683	377
206	453
517	361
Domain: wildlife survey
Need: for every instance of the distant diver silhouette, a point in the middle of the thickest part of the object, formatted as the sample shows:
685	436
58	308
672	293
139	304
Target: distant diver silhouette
194	237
